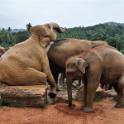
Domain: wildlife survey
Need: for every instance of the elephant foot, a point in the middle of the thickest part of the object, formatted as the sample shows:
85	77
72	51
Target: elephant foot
70	105
87	109
52	94
51	101
119	105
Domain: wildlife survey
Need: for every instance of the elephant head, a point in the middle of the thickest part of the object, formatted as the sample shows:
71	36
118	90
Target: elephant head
46	33
75	69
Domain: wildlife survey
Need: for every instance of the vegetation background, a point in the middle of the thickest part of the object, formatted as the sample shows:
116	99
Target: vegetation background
111	32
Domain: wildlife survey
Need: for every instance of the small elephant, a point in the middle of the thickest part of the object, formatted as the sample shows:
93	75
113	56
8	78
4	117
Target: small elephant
26	63
102	64
61	50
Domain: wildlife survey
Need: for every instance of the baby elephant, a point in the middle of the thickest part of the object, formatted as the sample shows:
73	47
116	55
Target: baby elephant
103	64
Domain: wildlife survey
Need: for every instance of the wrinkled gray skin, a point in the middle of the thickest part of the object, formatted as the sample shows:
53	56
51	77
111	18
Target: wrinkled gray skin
61	50
102	64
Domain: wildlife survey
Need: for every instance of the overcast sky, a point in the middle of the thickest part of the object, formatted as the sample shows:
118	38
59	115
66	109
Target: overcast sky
67	13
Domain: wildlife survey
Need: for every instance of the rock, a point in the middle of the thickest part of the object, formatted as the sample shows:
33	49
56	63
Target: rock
22	96
100	94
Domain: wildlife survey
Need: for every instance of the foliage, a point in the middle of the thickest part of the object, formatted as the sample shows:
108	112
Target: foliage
8	38
111	32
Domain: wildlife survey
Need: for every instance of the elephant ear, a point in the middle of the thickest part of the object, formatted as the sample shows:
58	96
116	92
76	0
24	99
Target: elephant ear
81	65
56	27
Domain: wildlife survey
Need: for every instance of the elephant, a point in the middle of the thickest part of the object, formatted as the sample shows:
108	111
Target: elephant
26	63
99	65
61	50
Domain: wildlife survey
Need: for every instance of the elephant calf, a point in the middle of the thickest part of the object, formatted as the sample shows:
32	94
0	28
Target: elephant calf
102	64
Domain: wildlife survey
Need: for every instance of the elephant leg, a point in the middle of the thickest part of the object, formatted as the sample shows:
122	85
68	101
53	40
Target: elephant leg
56	75
115	86
84	79
120	102
92	84
69	91
55	72
61	81
120	92
35	76
31	76
62	77
93	80
91	90
85	94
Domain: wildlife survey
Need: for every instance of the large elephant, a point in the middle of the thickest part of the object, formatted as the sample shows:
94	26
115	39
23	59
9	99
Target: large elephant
102	64
61	50
26	63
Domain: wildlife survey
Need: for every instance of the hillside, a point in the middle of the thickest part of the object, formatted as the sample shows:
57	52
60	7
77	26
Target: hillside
111	32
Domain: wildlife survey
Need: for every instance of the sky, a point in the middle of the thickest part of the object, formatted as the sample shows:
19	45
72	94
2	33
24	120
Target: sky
67	13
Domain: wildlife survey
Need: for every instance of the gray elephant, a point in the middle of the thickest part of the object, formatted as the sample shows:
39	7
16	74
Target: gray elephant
102	64
61	50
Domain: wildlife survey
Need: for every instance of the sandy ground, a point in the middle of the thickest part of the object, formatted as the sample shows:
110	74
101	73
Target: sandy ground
59	113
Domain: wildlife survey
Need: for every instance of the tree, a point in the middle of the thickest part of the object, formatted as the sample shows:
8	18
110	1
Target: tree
9	29
28	26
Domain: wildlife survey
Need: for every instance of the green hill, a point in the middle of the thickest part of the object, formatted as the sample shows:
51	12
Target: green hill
111	32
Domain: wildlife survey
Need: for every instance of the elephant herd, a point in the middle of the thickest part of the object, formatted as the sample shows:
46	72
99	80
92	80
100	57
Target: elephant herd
93	62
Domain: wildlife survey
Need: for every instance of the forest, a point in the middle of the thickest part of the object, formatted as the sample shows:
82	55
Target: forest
111	32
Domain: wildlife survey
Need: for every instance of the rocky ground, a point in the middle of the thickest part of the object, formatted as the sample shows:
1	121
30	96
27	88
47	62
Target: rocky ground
59	113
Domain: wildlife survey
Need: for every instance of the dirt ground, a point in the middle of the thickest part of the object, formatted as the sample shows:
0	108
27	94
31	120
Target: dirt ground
59	113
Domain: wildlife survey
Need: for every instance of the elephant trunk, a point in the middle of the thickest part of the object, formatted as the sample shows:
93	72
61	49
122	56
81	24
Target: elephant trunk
69	91
57	27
